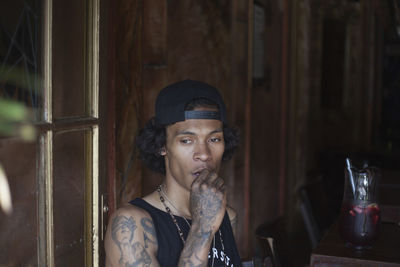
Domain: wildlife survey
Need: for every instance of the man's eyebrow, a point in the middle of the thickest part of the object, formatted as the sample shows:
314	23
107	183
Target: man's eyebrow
185	132
219	130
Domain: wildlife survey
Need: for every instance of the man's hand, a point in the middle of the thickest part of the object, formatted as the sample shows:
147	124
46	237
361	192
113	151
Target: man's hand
207	206
208	201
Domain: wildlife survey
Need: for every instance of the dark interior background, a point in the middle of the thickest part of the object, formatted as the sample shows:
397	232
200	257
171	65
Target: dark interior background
307	83
328	89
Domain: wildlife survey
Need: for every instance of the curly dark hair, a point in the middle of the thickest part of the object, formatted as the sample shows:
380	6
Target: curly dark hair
152	138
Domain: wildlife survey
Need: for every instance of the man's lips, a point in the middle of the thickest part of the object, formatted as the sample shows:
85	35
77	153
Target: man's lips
197	172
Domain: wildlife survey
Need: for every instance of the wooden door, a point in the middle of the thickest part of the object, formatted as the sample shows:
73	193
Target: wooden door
51	49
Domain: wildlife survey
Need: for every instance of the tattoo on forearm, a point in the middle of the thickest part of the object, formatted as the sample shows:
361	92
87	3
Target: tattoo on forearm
202	236
149	233
189	263
194	241
132	254
192	261
205	206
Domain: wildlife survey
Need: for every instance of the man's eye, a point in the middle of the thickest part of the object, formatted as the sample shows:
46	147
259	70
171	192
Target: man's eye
185	141
215	139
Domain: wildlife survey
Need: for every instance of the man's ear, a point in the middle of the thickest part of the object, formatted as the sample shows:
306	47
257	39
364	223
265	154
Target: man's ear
163	151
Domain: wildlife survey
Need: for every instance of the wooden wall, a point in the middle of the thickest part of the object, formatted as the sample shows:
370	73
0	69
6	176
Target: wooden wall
266	179
286	122
333	93
160	42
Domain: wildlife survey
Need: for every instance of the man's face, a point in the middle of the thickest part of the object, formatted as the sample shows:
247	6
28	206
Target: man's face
191	146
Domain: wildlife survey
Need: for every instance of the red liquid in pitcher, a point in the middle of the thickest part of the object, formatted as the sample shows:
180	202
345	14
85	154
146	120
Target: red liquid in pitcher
358	224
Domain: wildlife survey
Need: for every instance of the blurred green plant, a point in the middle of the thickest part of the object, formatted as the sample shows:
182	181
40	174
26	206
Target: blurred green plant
17	76
14	122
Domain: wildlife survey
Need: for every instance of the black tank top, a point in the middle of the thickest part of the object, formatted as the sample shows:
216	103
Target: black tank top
170	244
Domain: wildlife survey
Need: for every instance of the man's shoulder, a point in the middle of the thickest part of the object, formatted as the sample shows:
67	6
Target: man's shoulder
130	237
129	210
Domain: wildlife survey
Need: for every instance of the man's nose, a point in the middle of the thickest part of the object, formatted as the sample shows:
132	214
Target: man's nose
202	151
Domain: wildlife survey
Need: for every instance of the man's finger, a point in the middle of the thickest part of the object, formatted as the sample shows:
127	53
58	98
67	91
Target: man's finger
211	178
223	189
218	182
201	178
203	175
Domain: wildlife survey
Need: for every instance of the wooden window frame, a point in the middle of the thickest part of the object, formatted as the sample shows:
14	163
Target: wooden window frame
49	126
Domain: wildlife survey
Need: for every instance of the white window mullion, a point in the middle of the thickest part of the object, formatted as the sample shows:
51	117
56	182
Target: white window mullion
95	196
92	71
46	234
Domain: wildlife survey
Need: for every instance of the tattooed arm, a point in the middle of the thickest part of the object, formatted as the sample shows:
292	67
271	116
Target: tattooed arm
131	239
207	206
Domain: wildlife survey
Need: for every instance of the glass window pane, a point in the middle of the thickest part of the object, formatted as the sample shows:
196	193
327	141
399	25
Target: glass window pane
68	58
18	232
21	52
69	198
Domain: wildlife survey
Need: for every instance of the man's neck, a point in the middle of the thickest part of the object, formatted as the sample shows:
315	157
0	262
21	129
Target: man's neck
177	197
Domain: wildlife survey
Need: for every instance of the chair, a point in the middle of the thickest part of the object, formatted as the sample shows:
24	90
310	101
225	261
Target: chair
267	262
312	228
247	264
268	234
314	208
269	257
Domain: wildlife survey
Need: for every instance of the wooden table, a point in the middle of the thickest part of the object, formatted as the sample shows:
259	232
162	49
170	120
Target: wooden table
331	251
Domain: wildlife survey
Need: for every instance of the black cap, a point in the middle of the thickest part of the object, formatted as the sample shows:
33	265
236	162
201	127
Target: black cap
171	102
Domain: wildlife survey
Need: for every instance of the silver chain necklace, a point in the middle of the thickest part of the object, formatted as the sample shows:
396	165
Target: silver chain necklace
176	209
170	213
162	194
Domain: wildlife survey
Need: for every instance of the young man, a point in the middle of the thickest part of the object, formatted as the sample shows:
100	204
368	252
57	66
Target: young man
185	221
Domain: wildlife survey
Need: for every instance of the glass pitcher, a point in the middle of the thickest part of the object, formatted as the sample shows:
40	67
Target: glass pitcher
360	214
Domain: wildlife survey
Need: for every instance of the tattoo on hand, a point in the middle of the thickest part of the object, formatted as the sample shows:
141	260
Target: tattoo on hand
132	254
206	206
